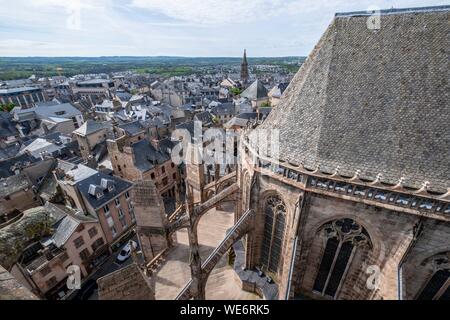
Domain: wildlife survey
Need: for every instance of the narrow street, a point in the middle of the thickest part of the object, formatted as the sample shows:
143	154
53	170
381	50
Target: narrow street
110	265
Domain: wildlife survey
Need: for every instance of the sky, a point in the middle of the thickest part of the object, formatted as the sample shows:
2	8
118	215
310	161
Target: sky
203	28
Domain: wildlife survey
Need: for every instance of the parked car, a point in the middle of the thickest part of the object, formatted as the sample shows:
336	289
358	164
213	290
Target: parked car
125	253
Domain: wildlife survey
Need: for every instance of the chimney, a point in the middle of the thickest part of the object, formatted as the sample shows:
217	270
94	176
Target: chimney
45	128
91	162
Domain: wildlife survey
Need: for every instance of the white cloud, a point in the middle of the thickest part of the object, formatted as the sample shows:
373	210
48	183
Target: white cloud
213	11
247	11
70	4
237	11
172	27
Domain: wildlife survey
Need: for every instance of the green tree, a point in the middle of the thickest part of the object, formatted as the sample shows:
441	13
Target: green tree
7	107
235	91
265	105
215	119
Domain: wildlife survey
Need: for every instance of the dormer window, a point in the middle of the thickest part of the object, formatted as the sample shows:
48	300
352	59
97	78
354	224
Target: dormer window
107	184
96	191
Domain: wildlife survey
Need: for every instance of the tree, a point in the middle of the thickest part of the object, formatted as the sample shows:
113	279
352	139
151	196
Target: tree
235	91
215	119
7	107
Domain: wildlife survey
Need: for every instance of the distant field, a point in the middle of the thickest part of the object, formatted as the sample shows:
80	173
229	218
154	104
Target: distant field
16	68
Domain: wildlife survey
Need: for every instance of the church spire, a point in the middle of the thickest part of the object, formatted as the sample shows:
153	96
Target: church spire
244	68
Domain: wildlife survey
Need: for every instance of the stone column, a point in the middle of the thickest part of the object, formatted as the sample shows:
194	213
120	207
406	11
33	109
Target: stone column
195	172
177	196
151	220
197	288
216	178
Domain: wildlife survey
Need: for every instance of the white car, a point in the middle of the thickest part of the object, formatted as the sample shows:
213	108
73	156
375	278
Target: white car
125	253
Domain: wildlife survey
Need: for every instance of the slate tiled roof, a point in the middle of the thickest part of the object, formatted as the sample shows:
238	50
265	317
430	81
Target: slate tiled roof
66	227
278	90
7	128
146	156
77	172
7	166
40	145
120	185
90	126
255	91
205	117
123	96
373	100
14	184
223	109
51	110
166	145
132	128
243	119
9	151
188	125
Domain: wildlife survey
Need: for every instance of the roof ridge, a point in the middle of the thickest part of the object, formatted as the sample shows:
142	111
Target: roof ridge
393	11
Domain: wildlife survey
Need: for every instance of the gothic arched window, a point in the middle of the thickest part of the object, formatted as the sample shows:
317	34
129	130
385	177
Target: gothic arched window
438	286
274	221
343	236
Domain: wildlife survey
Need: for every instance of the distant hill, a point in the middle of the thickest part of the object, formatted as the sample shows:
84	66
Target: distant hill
24	67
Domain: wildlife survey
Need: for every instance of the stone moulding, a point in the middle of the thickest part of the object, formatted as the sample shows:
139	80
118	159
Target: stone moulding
395	196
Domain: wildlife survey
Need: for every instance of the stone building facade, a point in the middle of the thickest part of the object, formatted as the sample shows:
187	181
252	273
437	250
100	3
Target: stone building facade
89	135
139	158
357	204
105	197
76	242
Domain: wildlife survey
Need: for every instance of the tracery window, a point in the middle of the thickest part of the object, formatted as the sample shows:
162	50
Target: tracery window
274	223
438	286
344	237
